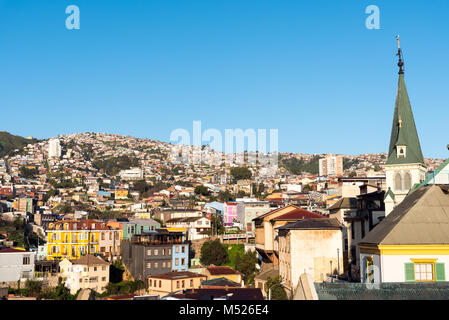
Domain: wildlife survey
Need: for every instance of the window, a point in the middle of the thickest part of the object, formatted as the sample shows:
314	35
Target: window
176	262
169	252
183	261
110	235
149	265
95	268
362	224
26	260
407	181
150	283
183	283
191	283
163	264
156	264
177	284
169	264
160	283
398	181
102	236
163	252
149	252
103	279
183	249
177	249
156	252
424	271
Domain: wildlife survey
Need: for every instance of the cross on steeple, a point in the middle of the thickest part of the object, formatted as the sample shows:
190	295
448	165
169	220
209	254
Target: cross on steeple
399	54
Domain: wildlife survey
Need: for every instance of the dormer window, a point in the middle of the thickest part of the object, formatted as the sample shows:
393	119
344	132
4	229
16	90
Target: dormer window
401	151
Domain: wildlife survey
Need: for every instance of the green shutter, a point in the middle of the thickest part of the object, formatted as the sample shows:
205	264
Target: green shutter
409	271
439	271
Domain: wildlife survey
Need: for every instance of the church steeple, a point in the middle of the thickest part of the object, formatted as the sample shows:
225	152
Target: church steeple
404	142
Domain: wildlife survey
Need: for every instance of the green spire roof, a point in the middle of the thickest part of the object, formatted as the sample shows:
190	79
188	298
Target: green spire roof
403	131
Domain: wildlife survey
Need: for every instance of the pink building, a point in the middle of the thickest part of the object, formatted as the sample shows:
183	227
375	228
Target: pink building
230	213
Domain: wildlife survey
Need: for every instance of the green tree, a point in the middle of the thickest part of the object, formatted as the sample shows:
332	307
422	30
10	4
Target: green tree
247	266
33	287
217	225
307	187
213	252
225	196
141	186
202	190
277	289
28	173
240	173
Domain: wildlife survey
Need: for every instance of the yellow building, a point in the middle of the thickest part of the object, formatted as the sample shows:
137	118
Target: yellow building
121	194
213	272
73	239
166	283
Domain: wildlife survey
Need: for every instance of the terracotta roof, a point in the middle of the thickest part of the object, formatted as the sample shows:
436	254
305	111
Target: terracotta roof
11	250
89	260
217	270
299	214
313	223
177	275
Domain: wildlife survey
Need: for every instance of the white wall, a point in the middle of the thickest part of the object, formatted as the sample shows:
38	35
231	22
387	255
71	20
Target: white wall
390	268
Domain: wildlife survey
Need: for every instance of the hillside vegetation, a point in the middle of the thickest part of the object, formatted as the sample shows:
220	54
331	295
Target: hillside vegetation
9	143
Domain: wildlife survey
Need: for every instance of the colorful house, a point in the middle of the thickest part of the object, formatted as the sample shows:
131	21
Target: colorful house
72	239
411	244
231	212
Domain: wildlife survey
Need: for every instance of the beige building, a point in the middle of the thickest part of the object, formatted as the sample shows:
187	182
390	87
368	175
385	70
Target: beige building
167	283
87	272
266	224
313	246
331	166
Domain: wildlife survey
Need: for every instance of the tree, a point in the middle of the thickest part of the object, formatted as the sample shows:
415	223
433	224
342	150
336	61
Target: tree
246	264
307	187
141	186
277	289
225	196
33	287
240	173
213	252
202	190
217	225
28	173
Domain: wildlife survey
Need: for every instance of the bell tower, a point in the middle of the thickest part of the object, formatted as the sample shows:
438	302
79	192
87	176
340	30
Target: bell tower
405	165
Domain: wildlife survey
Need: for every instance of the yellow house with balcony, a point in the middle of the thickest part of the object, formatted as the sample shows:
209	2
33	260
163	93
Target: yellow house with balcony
73	239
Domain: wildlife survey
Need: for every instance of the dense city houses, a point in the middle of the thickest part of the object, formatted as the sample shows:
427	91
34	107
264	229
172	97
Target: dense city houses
90	211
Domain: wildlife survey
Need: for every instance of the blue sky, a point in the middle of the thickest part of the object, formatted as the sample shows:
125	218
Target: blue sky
310	69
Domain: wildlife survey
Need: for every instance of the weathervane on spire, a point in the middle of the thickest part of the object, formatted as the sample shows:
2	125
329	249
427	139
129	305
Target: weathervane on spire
399	54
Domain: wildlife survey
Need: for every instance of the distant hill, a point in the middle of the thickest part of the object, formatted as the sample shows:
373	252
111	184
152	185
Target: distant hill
9	143
298	166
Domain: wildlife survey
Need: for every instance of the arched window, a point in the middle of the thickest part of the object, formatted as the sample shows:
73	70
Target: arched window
407	181
398	181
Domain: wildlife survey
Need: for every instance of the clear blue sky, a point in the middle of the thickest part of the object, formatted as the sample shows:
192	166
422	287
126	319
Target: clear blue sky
144	68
